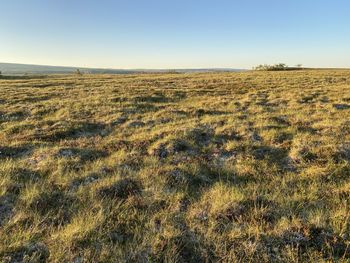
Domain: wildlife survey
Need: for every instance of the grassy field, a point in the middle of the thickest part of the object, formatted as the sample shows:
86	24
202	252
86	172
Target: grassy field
214	167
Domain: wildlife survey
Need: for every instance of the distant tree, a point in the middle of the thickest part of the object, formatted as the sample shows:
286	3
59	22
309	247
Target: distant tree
78	72
299	65
280	66
0	74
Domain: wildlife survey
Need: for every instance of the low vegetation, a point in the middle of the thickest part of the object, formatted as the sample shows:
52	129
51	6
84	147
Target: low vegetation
214	167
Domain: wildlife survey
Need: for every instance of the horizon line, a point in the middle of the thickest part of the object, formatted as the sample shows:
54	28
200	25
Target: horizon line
142	68
112	68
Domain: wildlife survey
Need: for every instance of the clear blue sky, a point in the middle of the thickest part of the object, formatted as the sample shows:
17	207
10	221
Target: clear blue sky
176	33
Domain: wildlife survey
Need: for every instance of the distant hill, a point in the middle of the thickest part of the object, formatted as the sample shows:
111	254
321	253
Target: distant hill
21	69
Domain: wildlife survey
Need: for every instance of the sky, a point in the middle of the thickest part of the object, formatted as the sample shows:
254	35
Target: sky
134	34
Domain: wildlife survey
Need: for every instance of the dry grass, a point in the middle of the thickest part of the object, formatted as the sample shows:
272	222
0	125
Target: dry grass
228	167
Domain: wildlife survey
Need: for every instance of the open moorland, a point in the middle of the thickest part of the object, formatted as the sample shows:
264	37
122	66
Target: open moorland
206	167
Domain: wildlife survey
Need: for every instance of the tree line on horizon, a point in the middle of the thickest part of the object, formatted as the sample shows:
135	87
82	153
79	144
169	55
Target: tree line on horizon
276	67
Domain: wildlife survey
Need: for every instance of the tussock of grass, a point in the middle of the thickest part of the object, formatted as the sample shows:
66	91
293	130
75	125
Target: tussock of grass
215	167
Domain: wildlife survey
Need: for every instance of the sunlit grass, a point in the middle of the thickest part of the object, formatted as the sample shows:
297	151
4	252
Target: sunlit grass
223	167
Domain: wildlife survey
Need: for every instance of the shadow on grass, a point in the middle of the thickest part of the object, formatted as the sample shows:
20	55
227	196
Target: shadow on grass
21	77
74	131
274	156
14	152
20	177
